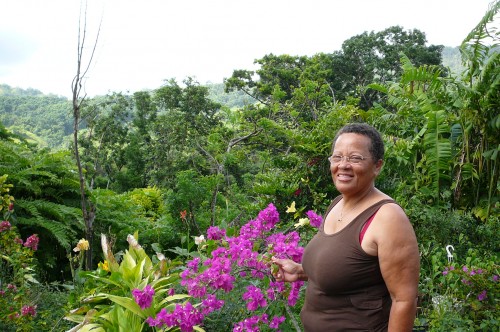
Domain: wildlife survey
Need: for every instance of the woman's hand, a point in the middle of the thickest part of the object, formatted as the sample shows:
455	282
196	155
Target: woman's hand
288	270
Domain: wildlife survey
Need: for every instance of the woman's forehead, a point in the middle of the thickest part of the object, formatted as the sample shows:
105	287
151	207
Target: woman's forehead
354	140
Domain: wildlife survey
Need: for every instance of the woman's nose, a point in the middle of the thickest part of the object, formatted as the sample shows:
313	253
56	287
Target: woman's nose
344	163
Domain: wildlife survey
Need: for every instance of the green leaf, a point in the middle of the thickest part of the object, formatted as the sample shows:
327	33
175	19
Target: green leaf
31	278
437	149
92	328
173	298
127	303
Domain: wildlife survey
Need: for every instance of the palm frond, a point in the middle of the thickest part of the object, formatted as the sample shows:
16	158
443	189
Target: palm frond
62	222
489	80
476	46
437	149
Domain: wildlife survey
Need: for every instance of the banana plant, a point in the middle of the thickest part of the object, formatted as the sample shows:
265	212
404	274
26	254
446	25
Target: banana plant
482	78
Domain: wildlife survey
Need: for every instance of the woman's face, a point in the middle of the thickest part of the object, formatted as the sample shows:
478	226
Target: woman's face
353	178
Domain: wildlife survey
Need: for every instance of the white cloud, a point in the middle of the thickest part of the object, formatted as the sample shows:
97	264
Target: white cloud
145	42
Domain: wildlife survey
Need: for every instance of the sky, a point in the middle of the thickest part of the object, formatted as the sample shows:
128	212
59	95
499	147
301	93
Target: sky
143	43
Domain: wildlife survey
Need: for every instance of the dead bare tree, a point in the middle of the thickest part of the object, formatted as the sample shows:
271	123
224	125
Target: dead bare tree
88	209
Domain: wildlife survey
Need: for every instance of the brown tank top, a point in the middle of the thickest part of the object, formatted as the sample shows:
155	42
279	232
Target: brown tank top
345	291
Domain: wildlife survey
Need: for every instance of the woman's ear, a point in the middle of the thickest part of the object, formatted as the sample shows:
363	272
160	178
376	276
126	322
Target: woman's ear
378	167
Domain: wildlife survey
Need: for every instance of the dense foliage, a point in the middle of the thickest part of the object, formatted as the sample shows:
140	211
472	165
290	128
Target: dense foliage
173	163
44	120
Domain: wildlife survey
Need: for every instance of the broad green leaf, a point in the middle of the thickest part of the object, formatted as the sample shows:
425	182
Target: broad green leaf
127	303
173	298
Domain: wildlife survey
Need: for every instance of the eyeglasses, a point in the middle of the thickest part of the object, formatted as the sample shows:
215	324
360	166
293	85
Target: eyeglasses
352	159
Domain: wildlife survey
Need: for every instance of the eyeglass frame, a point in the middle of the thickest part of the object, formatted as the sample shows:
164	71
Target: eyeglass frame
348	159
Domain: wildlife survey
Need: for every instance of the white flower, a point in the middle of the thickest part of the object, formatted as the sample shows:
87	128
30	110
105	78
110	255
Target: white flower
199	239
160	256
302	222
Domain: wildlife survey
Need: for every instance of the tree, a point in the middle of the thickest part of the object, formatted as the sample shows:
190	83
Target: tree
88	209
185	117
374	58
445	129
364	59
104	138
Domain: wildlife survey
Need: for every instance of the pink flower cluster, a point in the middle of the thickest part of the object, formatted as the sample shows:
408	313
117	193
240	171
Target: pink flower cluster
238	256
28	310
448	269
32	242
314	219
215	233
482	296
10	287
185	316
144	298
254	298
4	226
469	278
251	324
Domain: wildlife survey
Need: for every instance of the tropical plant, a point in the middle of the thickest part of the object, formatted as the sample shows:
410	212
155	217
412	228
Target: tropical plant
482	87
122	295
17	269
46	192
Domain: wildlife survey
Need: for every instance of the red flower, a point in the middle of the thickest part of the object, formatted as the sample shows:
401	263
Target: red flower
183	215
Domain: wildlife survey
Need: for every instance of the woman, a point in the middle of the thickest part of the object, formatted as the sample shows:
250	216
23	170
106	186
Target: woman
362	266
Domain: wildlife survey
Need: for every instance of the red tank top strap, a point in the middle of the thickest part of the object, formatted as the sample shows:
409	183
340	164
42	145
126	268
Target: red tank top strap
365	227
375	207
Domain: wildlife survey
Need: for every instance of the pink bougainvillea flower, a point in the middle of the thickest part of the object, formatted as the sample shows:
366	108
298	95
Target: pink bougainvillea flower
314	219
276	321
144	298
215	233
184	316
254	298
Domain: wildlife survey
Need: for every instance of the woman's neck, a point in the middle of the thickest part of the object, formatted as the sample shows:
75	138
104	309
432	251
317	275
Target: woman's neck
354	199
